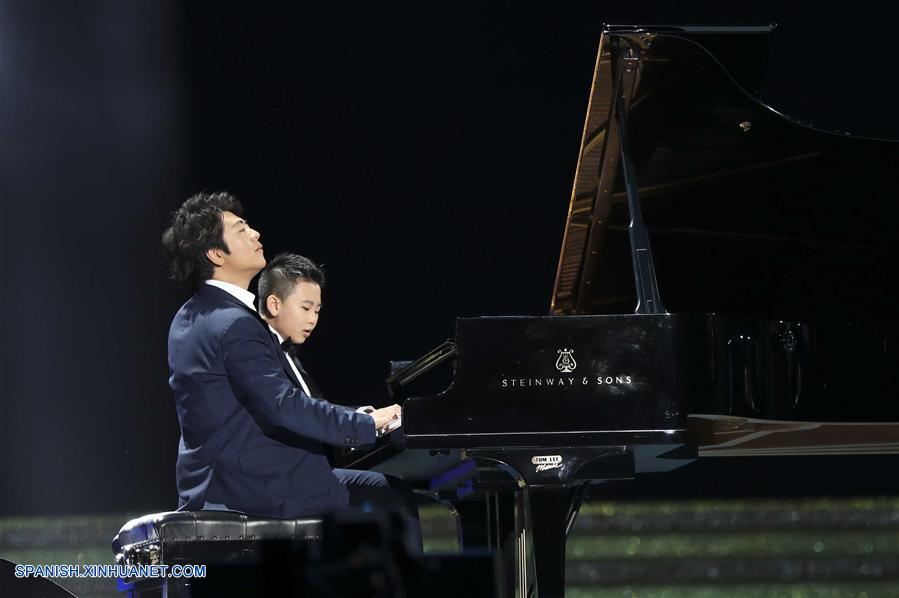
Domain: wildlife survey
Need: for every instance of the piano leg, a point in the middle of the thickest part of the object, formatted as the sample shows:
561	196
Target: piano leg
488	522
546	512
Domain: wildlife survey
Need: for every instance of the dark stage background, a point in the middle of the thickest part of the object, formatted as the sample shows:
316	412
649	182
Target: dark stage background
425	155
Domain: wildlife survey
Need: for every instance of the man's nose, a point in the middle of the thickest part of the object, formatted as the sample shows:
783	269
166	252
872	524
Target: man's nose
255	234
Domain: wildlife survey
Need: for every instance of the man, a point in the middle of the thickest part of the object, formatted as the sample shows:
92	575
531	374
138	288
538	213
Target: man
251	439
290	299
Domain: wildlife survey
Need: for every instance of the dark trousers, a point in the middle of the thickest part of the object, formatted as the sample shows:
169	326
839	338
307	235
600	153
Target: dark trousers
370	490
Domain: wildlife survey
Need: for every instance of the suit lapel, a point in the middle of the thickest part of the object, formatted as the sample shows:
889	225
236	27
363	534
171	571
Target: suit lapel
313	387
216	293
286	365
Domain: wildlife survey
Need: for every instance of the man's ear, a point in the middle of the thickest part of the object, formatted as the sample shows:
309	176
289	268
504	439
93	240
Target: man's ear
273	304
216	256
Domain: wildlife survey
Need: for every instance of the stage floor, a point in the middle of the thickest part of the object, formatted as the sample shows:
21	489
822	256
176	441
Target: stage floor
795	548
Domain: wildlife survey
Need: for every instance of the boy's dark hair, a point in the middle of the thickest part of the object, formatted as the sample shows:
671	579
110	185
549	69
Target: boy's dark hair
281	275
197	226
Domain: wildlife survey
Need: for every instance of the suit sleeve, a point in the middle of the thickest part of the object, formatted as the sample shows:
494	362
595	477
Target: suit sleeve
257	375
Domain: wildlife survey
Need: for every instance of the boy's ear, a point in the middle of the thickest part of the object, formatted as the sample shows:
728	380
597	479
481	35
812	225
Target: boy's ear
273	304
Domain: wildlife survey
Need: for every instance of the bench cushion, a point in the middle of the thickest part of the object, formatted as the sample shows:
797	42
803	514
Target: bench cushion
159	530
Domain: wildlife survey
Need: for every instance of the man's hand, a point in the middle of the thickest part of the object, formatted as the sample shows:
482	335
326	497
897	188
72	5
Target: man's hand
386	415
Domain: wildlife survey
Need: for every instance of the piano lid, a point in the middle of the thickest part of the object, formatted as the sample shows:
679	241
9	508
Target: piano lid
747	211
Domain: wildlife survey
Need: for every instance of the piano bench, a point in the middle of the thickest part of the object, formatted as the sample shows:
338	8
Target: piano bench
197	538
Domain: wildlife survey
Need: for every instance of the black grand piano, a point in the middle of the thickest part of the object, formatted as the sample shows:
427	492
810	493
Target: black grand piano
725	288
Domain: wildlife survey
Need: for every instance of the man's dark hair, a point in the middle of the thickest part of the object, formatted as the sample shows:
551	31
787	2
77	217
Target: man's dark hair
197	226
283	273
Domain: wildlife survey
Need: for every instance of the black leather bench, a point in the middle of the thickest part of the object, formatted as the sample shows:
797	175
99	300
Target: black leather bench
346	553
199	538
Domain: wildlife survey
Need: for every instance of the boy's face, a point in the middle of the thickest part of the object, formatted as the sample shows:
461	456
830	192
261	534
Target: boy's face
296	316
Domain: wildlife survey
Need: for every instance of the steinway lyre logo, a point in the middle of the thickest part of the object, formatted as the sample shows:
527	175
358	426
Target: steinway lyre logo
566	363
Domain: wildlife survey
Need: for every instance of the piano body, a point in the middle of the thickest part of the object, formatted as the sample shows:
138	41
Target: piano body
725	287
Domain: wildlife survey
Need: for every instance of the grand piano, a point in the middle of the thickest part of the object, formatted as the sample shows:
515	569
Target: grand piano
725	288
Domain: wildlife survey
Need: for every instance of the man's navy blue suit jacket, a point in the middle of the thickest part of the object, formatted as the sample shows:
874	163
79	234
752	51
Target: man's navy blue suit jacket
251	439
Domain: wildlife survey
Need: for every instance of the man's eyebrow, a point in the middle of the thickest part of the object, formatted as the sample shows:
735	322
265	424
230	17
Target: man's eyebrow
305	301
239	222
